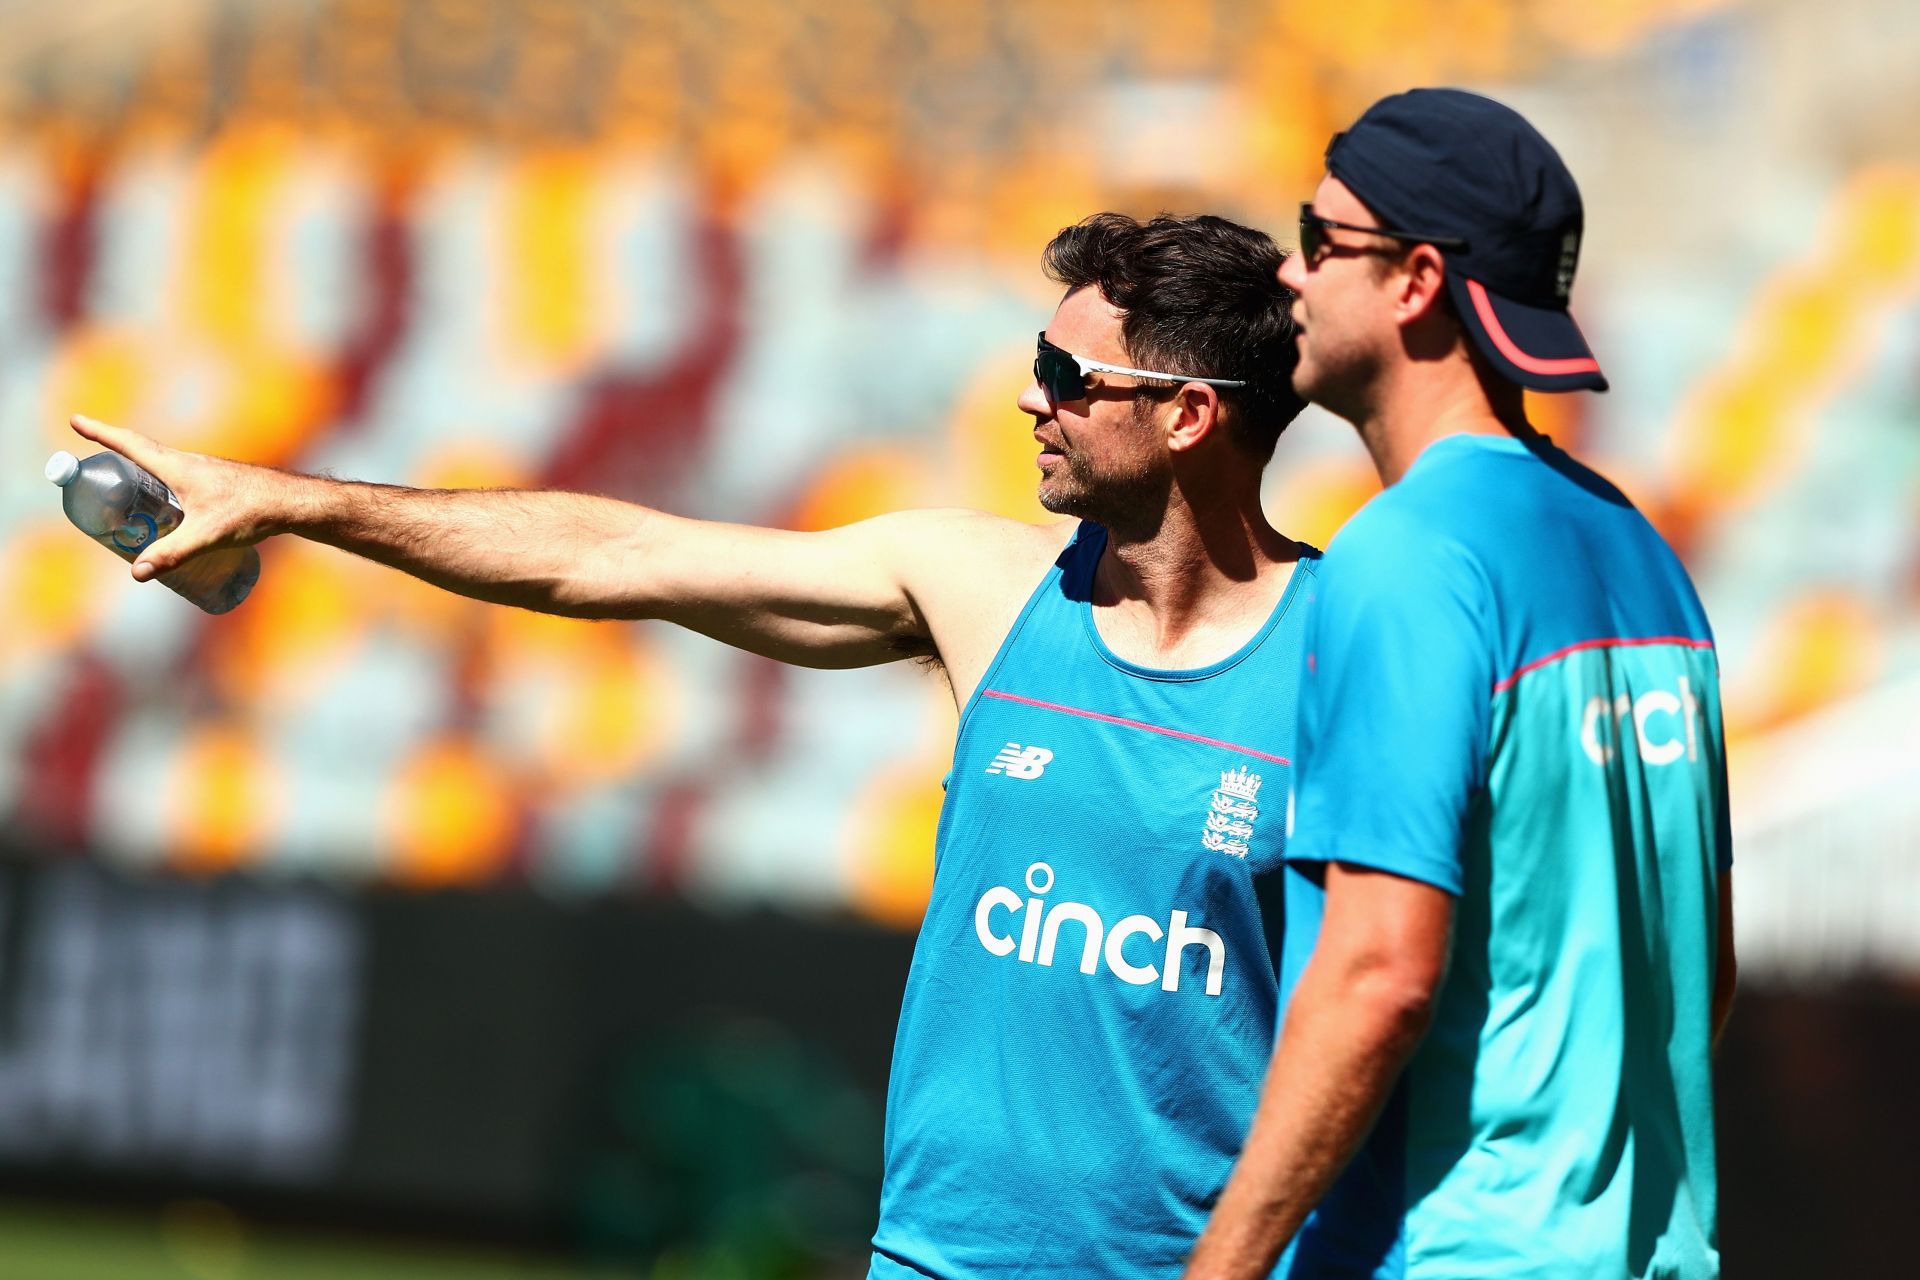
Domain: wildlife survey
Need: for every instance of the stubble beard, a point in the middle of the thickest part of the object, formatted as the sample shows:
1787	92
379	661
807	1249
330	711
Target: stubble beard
1340	381
1129	503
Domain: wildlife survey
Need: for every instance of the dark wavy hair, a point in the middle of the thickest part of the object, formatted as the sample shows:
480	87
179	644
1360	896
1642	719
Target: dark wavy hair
1199	296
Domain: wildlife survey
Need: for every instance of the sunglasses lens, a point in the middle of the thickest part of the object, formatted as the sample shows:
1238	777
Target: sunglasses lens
1058	375
1312	235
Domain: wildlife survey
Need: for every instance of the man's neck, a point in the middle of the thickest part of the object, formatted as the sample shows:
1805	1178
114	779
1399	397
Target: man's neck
1209	575
1425	404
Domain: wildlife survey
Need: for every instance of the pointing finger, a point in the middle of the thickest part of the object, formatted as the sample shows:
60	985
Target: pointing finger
140	449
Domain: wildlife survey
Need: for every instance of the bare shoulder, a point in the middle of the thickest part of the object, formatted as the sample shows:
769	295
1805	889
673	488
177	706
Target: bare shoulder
969	573
980	536
955	551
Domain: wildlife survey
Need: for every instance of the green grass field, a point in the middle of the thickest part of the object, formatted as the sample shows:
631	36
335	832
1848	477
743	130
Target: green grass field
201	1241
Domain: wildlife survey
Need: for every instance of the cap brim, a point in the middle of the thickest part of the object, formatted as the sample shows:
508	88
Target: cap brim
1537	347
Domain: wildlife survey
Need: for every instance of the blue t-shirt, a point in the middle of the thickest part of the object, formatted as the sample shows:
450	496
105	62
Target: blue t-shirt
1512	694
1090	1009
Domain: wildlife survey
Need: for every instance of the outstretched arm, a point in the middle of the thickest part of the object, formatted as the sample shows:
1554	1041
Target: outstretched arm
1361	1007
840	598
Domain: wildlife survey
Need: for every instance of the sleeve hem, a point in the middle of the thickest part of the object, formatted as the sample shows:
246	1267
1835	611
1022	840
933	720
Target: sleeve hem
1431	871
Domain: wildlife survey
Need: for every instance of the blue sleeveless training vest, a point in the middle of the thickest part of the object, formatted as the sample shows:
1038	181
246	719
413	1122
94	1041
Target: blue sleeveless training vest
1091	1005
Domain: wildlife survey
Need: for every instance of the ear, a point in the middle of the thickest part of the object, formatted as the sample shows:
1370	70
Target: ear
1195	414
1423	279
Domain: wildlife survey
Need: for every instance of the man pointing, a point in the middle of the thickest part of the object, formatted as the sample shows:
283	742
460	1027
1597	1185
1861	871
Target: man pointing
1092	996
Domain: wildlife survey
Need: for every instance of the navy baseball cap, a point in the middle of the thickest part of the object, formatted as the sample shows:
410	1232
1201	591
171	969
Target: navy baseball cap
1454	165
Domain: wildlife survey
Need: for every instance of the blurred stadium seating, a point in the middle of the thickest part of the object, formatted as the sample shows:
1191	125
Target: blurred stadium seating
777	262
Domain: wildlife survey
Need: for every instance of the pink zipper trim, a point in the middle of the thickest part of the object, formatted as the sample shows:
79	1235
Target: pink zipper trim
1616	643
1133	724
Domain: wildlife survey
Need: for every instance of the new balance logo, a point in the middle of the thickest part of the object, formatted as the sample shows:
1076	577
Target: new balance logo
1017	763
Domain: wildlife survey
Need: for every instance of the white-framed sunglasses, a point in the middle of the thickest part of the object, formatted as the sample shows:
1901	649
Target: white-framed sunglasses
1063	375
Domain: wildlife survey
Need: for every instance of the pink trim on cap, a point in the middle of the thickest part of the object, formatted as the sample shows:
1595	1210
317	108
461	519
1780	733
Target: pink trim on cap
1521	360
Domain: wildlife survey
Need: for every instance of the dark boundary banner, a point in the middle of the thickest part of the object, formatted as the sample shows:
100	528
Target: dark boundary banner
620	1078
1819	1125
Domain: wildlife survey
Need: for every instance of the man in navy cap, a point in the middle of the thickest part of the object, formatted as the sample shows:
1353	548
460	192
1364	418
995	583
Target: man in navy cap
1509	934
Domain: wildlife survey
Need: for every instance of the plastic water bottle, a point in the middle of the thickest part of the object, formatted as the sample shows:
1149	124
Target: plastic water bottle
123	508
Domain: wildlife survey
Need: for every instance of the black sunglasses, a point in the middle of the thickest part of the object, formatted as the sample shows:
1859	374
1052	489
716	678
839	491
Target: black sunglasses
1314	228
1063	375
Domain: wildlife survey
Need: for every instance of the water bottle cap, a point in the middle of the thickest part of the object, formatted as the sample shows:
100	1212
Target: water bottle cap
62	467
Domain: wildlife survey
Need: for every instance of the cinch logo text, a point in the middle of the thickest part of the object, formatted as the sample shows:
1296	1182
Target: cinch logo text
1039	930
1662	726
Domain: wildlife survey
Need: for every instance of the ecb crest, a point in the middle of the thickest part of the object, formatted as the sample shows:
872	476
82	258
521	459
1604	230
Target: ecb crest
1231	813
